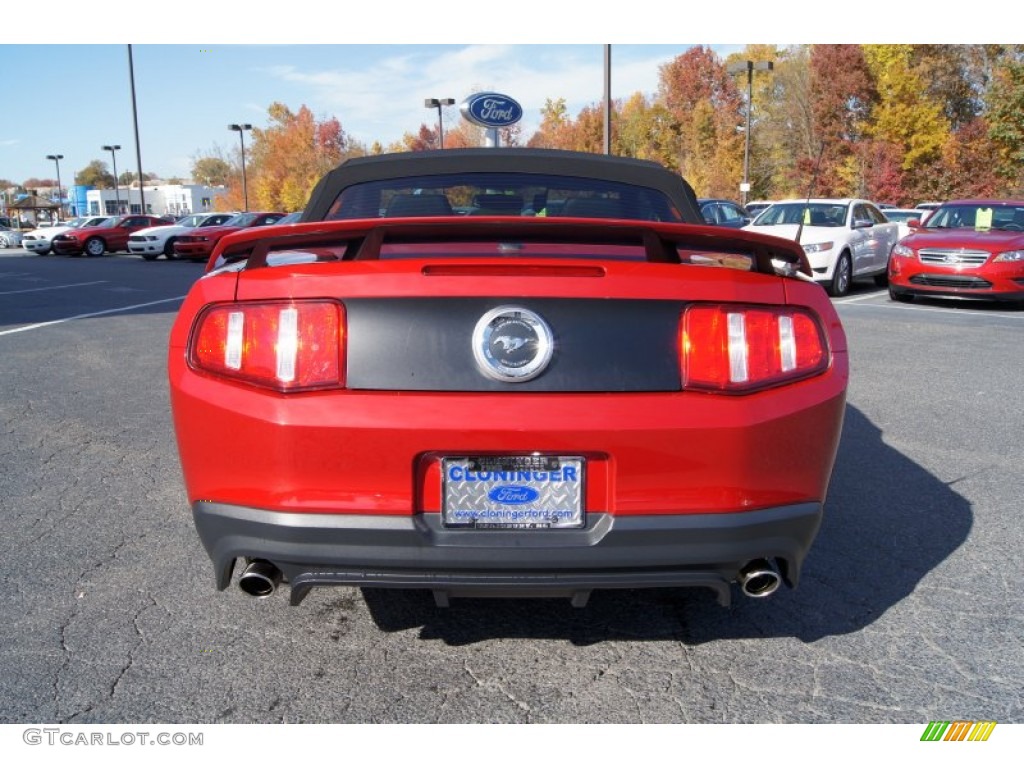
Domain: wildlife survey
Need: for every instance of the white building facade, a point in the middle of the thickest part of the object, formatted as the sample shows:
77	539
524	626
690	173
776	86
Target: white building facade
163	199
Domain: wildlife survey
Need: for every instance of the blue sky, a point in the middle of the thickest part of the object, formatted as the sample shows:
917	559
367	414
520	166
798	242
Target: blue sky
188	94
367	65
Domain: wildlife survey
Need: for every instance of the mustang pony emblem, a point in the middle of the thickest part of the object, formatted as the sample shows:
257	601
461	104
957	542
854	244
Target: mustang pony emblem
510	343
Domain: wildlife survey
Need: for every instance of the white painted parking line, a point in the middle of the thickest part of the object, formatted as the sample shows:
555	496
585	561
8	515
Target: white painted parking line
861	298
943	310
88	314
51	287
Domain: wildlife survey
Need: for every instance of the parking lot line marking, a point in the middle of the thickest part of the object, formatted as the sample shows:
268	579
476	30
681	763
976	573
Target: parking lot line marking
905	307
34	326
860	298
52	287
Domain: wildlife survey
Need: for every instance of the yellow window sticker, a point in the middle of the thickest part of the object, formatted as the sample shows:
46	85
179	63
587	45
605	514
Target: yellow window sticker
983	219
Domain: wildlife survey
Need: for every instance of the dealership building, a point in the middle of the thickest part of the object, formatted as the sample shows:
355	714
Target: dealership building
161	199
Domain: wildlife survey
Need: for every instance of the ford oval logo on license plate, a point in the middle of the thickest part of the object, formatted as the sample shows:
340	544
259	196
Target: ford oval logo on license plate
534	492
513	494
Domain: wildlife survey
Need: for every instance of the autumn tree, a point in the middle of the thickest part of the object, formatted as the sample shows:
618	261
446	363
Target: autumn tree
1006	105
554	126
642	128
904	114
704	105
843	95
288	158
464	134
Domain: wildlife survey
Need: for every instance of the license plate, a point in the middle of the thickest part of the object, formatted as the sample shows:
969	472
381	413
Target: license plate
513	492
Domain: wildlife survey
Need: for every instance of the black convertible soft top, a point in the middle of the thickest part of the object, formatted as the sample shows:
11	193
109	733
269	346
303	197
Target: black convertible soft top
639	173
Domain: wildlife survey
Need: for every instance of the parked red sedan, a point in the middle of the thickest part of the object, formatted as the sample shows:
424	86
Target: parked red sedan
108	237
199	245
968	249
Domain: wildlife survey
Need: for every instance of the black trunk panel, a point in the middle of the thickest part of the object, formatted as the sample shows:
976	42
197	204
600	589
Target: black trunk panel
601	345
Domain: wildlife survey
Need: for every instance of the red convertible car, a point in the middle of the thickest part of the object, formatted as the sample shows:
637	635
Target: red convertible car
511	403
107	237
198	245
968	249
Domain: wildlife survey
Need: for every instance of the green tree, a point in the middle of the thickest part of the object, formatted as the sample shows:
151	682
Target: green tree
95	174
129	177
211	170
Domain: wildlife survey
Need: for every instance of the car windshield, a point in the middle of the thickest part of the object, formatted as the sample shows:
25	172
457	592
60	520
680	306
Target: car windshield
981	216
215	221
812	214
113	221
502	194
241	220
192	220
903	216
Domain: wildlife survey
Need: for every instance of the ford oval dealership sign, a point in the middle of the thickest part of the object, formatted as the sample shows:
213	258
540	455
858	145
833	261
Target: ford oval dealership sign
491	110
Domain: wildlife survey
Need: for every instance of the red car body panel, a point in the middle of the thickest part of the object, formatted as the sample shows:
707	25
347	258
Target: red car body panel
376	453
960	262
200	244
114	238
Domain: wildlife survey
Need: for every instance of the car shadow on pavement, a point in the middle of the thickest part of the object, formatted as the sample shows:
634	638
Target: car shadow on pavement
888	522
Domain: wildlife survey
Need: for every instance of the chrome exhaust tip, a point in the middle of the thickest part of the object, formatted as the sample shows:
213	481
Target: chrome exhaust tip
759	578
259	579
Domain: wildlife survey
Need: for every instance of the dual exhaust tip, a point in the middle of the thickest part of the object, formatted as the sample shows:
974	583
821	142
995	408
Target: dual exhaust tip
260	578
758	578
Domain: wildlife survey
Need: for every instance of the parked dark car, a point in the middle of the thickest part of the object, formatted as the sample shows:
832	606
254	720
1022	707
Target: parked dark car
724	213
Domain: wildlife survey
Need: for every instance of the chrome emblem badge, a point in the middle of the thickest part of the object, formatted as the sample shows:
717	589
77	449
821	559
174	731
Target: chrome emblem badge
512	344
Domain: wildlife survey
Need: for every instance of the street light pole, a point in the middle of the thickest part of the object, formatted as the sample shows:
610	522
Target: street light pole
748	67
112	149
60	196
438	103
241	128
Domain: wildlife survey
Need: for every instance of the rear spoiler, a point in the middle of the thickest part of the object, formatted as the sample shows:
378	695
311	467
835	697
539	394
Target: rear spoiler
363	239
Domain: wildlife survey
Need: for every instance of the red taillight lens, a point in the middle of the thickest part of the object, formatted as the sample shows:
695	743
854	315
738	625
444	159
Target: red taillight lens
735	348
288	346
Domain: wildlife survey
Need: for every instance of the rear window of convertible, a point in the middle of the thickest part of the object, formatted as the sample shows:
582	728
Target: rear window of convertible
502	194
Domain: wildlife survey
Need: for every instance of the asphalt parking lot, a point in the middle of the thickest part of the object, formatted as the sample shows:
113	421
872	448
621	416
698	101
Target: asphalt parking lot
910	609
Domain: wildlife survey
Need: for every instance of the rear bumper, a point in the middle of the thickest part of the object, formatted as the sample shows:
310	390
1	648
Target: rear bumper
415	551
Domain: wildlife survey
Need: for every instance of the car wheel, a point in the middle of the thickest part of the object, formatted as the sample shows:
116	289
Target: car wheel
842	276
169	249
95	246
906	298
4	242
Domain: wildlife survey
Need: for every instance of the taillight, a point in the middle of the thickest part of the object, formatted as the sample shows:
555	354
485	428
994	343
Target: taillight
287	346
736	348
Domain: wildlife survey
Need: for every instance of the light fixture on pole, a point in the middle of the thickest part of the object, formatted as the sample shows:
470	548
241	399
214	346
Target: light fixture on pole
241	128
438	103
749	67
60	194
112	149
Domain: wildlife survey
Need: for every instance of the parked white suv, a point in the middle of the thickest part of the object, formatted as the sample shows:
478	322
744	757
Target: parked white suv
150	243
38	240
